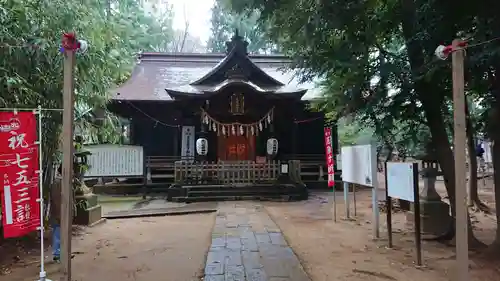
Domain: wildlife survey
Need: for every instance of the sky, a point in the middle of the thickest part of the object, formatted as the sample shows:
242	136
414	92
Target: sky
198	14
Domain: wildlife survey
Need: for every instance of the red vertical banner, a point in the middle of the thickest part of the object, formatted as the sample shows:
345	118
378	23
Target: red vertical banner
19	173
329	157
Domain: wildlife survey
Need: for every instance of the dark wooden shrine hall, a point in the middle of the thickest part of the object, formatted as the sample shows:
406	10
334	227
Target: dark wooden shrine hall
237	103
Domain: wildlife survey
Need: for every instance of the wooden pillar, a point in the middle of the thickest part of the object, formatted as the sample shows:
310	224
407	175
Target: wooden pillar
295	129
177	149
460	159
131	133
177	134
67	164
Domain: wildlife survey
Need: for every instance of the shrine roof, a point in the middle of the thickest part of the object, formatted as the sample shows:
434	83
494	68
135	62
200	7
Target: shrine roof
162	76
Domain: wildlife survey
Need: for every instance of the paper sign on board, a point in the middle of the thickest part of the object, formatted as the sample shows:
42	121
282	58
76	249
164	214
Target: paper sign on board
400	181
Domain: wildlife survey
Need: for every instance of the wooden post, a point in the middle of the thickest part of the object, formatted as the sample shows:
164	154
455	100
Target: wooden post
67	164
462	265
295	129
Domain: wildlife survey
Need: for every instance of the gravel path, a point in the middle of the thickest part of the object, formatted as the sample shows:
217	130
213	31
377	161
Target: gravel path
169	248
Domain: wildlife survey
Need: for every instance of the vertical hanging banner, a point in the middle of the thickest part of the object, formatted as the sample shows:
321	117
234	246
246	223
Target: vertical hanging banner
19	173
329	157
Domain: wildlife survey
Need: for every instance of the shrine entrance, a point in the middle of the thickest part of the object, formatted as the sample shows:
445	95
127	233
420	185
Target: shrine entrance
236	148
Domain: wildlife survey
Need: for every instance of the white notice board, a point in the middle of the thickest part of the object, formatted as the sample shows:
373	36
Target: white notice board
110	160
359	164
400	181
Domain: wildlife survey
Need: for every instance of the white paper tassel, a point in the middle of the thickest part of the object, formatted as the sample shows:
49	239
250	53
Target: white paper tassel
205	119
214	127
242	132
269	118
233	130
252	130
260	126
223	130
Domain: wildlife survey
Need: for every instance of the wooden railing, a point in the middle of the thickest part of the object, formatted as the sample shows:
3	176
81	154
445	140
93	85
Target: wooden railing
313	158
164	161
230	172
163	167
312	167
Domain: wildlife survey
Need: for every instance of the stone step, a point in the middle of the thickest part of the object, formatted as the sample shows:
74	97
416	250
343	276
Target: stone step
237	192
237	186
285	197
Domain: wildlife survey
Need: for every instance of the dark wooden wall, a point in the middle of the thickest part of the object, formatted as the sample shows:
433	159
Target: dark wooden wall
160	140
310	136
157	139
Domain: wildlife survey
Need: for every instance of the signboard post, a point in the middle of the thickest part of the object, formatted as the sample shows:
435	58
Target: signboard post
401	181
330	163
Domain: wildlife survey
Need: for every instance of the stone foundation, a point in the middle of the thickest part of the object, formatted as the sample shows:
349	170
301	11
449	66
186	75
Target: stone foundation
434	217
88	211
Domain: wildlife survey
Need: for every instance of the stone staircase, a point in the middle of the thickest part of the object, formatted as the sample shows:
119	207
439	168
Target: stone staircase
203	193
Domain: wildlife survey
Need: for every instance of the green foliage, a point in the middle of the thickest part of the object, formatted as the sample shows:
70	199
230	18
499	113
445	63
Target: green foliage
357	50
360	51
225	22
353	132
31	64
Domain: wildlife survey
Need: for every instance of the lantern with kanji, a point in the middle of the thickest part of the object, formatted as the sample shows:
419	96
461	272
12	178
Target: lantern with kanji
202	146
272	147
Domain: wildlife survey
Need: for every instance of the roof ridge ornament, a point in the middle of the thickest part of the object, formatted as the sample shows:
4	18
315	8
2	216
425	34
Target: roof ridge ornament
238	43
236	72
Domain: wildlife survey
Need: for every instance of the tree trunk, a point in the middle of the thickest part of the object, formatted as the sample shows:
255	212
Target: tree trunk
495	136
390	149
472	181
432	100
494	122
496	179
473	199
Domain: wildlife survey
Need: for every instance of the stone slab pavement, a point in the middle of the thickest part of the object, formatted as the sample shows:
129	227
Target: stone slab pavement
248	246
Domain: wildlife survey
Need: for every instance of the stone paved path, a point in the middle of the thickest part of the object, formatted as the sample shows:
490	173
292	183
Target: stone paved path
248	246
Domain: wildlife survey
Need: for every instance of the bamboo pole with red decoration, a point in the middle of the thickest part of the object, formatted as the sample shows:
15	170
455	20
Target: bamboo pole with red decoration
70	45
457	50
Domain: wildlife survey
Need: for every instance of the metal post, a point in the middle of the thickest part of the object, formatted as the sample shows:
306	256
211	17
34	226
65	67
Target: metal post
388	201
460	158
334	204
43	274
374	176
346	199
67	164
376	231
354	199
416	205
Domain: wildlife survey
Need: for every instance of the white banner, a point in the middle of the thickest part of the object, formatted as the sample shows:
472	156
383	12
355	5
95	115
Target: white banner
188	140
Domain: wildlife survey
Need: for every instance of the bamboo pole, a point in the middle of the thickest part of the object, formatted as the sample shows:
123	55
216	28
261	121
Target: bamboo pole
460	137
67	164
